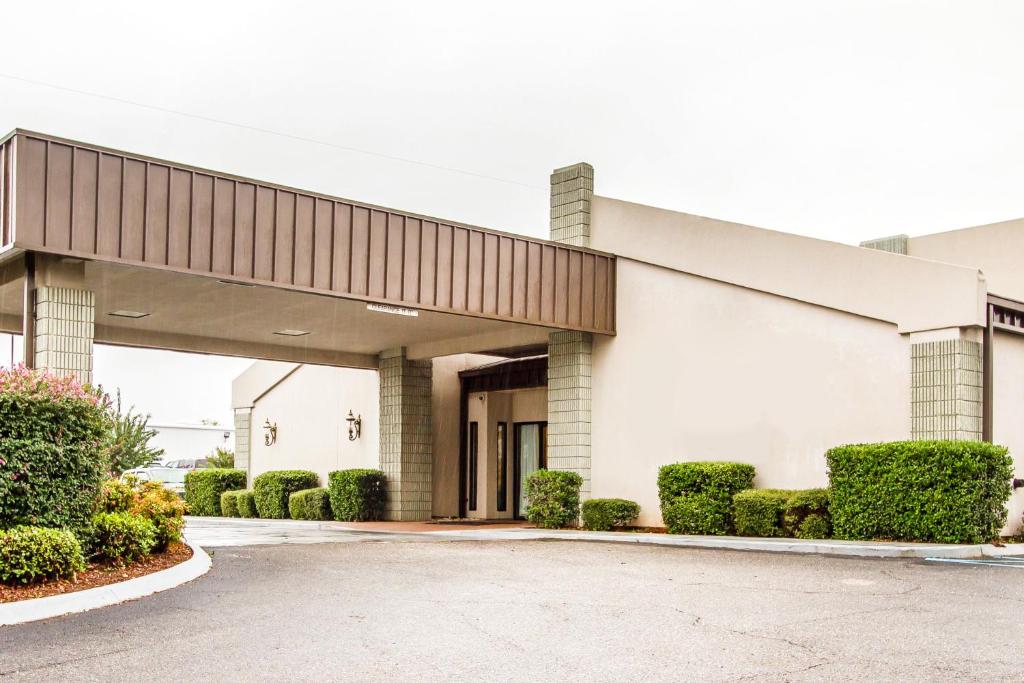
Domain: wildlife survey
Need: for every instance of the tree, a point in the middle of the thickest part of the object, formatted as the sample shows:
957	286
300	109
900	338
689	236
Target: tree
222	457
128	440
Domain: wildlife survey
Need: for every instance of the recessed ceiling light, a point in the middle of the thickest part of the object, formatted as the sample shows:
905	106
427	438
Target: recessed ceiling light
128	314
394	310
292	333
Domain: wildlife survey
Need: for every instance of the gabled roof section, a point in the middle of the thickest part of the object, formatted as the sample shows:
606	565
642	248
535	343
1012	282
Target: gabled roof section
915	294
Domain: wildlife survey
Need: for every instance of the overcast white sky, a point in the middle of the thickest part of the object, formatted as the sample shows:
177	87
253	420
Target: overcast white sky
844	120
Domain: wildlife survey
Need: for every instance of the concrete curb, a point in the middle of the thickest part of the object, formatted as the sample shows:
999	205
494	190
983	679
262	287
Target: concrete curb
834	548
103	596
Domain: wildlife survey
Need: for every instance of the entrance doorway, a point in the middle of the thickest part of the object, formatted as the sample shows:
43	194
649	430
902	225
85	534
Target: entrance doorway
530	455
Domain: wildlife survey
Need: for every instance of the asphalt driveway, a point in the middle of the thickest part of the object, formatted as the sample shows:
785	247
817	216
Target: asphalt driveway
404	609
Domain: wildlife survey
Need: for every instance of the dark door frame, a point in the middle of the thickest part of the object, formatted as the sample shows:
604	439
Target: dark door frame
525	373
516	473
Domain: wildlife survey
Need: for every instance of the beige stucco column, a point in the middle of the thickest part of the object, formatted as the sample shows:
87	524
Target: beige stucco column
64	319
570	353
405	437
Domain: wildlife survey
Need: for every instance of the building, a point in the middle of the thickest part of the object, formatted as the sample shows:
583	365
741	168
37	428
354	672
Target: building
190	440
635	337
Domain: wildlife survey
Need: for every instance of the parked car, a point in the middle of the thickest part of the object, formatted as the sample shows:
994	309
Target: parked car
188	463
172	478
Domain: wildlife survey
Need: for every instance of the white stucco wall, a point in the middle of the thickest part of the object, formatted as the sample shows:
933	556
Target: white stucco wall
1008	415
995	249
309	407
191	441
703	370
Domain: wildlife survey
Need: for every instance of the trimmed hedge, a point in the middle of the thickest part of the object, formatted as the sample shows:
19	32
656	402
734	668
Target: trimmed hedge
203	489
936	491
313	504
245	501
603	514
807	514
702	514
696	497
121	537
760	512
554	498
272	489
115	496
30	553
357	495
229	503
51	456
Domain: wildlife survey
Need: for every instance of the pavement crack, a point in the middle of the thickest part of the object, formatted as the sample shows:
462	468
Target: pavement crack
62	662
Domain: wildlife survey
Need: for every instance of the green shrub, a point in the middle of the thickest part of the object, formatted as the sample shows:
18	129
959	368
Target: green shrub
30	553
203	489
245	501
554	498
708	487
937	491
121	537
357	495
273	488
163	508
760	512
115	496
51	459
807	514
229	503
697	513
603	514
312	504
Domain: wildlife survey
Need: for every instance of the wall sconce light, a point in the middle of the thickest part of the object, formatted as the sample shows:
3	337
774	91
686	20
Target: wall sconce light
355	426
270	437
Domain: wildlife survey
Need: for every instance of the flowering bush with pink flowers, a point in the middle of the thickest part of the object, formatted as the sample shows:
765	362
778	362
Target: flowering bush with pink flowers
52	433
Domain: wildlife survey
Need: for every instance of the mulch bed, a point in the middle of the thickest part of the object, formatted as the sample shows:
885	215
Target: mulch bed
98	575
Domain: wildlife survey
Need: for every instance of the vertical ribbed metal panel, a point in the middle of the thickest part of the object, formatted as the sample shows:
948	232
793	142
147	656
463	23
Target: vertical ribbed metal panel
95	203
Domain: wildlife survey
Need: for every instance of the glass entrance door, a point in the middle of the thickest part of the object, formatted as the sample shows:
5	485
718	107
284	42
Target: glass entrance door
530	447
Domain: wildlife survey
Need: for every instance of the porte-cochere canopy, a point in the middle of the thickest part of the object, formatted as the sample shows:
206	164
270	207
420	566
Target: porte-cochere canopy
76	200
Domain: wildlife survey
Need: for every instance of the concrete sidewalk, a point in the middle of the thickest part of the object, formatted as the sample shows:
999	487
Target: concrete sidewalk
219	531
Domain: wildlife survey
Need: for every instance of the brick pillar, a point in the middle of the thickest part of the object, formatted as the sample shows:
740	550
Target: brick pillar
64	331
946	390
569	353
243	438
405	441
897	244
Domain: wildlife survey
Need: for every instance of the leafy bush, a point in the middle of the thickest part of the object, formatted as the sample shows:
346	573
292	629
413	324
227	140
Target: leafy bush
937	491
122	537
760	512
30	553
51	461
357	495
554	498
807	514
697	513
708	488
602	514
163	508
312	504
221	458
127	443
115	496
229	503
273	488
245	501
203	489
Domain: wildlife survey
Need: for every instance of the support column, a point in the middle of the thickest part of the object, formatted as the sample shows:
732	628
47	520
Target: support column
405	436
946	390
64	331
243	438
570	353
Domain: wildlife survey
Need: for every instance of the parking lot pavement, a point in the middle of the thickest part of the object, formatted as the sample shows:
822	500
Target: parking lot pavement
395	609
